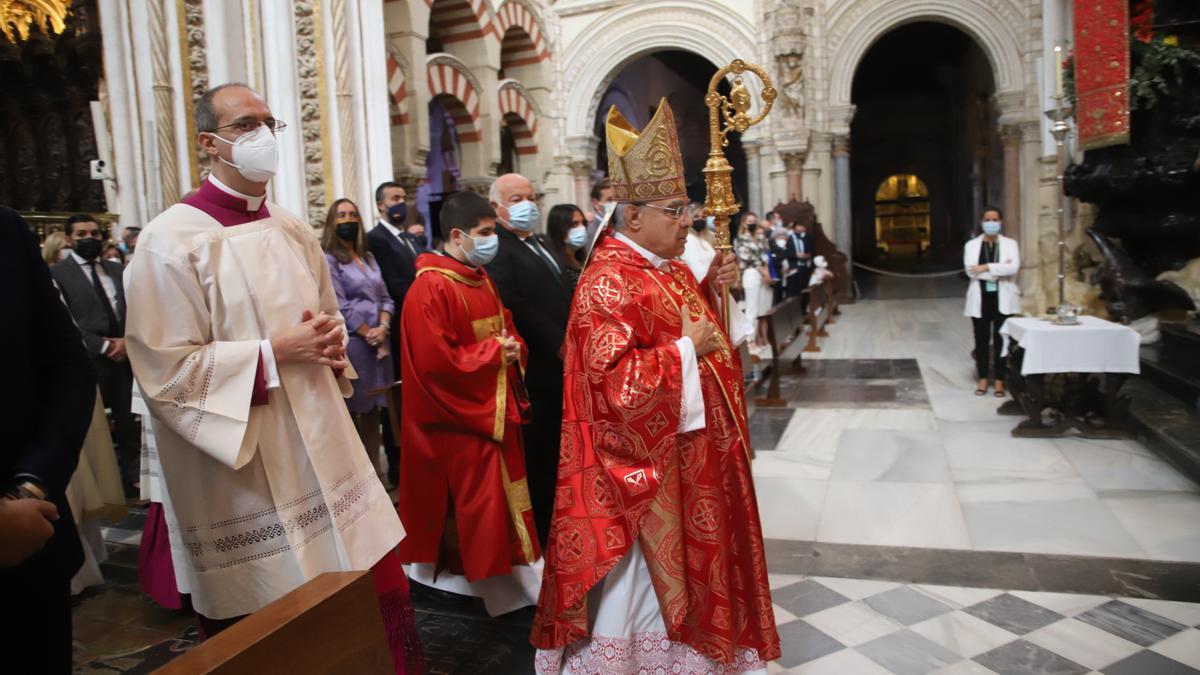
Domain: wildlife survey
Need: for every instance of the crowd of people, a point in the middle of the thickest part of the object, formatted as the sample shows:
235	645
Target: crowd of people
554	400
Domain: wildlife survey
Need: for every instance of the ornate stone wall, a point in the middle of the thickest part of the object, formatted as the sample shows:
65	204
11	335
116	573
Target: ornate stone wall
308	77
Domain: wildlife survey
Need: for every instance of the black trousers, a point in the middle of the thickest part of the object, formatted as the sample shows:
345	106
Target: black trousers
116	387
987	338
37	636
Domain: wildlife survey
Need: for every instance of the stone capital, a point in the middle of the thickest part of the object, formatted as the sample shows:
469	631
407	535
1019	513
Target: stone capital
794	160
581	168
841	145
477	184
1011	135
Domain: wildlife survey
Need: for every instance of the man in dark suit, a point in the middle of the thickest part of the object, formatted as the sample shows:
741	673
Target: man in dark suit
95	295
534	288
799	256
396	253
49	393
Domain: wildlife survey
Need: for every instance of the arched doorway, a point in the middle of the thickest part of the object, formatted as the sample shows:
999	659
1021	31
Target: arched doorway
683	78
925	111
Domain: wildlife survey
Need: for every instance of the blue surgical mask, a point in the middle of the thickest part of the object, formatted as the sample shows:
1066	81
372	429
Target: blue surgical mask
991	227
577	236
483	250
710	222
523	216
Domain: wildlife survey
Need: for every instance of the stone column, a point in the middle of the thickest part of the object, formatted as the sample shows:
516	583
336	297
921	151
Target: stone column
581	170
164	105
1011	137
793	162
753	177
841	191
344	95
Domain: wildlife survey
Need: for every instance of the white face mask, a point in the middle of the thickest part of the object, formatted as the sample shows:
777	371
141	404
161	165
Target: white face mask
255	155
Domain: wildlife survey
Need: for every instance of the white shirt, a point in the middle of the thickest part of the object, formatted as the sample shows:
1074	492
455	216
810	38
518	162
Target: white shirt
692	403
541	252
396	233
253	204
110	288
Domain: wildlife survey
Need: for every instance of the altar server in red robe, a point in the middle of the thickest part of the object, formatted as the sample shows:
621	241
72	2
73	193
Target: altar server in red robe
463	493
655	561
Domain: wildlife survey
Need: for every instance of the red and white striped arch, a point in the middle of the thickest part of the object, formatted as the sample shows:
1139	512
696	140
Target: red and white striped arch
459	20
396	92
514	104
522	47
449	81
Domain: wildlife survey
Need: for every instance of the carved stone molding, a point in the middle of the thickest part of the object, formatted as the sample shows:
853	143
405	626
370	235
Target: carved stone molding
344	92
996	25
308	80
596	57
197	64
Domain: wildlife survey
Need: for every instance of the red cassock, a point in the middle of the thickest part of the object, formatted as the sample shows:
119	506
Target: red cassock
464	500
626	474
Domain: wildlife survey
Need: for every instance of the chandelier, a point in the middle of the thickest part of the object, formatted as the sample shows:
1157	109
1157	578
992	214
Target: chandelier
18	16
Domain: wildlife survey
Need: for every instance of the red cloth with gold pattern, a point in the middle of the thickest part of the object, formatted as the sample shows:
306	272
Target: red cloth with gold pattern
1102	72
464	499
626	474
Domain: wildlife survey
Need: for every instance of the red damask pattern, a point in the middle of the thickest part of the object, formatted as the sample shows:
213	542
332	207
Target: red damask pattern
1102	72
626	474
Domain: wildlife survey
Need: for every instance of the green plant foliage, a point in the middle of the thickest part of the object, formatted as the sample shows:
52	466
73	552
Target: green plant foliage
1159	68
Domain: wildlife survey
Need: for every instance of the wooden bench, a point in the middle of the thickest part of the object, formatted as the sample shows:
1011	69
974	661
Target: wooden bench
785	324
822	305
331	624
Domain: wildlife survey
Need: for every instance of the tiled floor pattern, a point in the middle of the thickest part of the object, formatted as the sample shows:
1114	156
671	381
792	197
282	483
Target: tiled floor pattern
834	626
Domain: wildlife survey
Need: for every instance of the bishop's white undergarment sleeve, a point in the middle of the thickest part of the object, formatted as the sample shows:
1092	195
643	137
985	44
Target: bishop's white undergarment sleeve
692	402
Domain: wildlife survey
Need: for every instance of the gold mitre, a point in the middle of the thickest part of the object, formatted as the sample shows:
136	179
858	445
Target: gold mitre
644	166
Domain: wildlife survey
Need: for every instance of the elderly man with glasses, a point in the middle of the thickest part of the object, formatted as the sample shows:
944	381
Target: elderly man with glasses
240	354
655	559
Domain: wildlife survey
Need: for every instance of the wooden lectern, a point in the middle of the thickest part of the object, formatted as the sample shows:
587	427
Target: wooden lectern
329	625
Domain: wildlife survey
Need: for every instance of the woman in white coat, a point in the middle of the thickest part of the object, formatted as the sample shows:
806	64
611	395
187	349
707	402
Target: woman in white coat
991	261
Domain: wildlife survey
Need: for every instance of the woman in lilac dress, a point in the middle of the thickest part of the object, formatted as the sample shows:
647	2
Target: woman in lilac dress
367	308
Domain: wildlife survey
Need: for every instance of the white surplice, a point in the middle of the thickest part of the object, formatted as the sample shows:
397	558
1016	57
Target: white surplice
263	498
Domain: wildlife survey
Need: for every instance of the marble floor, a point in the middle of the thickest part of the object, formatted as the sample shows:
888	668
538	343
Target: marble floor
908	532
938	468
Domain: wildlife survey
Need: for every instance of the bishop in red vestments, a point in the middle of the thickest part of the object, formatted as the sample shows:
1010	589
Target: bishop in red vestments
463	493
655	559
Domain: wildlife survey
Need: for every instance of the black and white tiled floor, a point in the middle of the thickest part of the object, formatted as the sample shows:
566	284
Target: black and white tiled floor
835	626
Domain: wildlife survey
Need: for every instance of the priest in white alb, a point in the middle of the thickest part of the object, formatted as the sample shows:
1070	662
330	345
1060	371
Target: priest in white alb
239	351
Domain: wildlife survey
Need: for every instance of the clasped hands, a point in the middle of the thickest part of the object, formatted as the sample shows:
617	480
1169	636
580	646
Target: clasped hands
511	349
316	340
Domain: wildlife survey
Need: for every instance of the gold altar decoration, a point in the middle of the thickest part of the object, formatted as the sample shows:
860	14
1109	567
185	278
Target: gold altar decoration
18	16
725	115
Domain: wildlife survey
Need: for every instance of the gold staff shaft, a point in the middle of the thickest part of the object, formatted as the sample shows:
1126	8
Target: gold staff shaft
725	115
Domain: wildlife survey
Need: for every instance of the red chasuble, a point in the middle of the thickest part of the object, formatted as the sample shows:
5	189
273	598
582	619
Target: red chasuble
626	473
464	500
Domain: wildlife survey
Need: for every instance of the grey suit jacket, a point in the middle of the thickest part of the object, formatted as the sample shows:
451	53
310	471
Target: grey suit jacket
75	282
